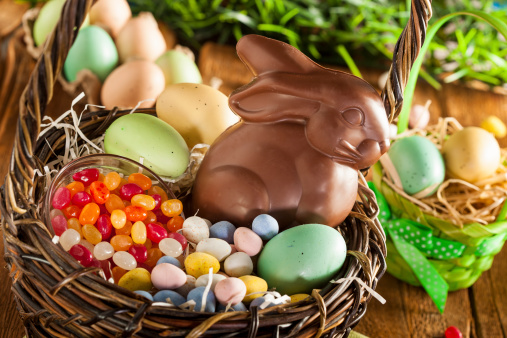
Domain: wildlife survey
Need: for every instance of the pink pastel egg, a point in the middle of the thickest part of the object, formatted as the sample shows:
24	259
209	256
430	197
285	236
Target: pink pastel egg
230	290
247	241
233	249
167	276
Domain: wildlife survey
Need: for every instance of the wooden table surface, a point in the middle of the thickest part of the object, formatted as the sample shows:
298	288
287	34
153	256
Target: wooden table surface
480	311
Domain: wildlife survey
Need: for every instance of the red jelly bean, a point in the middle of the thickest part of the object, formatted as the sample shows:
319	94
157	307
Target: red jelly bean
99	192
104	226
179	237
158	201
139	252
81	198
106	267
161	217
453	332
129	190
59	224
81	254
155	232
61	198
135	213
103	210
72	211
145	266
87	176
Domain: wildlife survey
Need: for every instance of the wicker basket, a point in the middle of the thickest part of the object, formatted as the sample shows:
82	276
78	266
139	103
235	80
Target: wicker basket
57	297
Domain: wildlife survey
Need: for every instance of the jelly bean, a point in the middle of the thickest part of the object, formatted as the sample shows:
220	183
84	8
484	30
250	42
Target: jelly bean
72	211
89	214
73	223
223	230
118	273
121	242
99	191
158	201
103	210
126	204
266	226
118	218
154	254
61	198
216	247
155	232
113	203
75	187
86	176
91	234
138	232
126	230
139	252
135	214
103	250
104	226
81	198
204	279
106	267
169	296
298	297
87	190
158	191
144	201
136	279
151	217
141	180
160	216
144	266
81	254
175	223
87	244
59	224
253	284
148	244
55	212
145	294
129	190
247	241
197	295
69	238
180	238
453	332
187	287
125	260
112	180
172	208
170	247
238	264
195	229
199	263
166	276
170	260
230	291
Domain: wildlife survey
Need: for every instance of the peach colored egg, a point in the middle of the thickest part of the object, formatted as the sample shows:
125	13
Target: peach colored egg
111	15
247	241
230	290
167	276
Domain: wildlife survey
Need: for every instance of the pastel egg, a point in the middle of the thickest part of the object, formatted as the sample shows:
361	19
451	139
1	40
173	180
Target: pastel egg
230	290
141	135
223	230
266	226
111	15
237	307
419	165
195	229
216	247
203	280
495	126
253	284
302	258
199	263
238	264
419	117
165	295
136	279
145	294
189	285
170	260
166	276
197	296
298	297
263	302
247	241
178	68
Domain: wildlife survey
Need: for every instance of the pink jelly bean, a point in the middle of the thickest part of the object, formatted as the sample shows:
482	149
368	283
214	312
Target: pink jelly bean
158	201
160	216
86	176
130	189
155	232
81	254
139	252
81	198
104	226
59	224
179	237
61	198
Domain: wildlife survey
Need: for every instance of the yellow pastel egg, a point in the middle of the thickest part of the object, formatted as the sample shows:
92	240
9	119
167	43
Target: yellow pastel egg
253	284
298	297
136	279
495	126
199	263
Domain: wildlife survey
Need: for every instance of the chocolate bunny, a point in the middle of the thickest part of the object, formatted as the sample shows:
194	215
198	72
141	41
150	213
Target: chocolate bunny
305	131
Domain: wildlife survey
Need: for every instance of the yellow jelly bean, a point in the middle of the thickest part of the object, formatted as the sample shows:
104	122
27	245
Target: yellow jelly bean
112	180
172	208
199	263
118	218
253	284
495	126
73	223
136	279
138	232
298	297
91	234
143	201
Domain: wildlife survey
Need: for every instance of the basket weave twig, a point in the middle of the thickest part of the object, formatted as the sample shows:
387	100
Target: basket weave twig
57	297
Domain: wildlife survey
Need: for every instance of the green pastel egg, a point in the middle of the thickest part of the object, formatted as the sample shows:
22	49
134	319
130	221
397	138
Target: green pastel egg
94	50
418	163
302	258
178	68
140	135
46	20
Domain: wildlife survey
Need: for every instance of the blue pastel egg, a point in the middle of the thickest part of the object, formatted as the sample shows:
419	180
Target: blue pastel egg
265	226
175	297
196	295
258	302
237	307
223	230
170	260
144	294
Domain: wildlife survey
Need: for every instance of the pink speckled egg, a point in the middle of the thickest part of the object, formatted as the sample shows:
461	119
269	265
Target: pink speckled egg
167	276
195	229
247	241
230	290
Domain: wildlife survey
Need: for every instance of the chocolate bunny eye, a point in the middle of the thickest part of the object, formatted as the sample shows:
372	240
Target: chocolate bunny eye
354	116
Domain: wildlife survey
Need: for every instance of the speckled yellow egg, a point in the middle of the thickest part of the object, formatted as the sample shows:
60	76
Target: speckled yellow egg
199	263
298	297
136	279
253	284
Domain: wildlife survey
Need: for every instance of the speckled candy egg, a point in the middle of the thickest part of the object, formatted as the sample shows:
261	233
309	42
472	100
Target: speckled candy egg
166	276
199	263
195	229
302	258
136	279
230	290
247	241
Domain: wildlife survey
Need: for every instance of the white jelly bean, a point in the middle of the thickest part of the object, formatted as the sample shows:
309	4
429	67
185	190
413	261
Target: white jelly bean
103	250
124	260
170	247
69	238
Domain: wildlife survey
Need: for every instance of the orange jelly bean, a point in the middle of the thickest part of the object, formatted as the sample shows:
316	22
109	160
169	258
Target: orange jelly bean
99	192
125	230
118	218
89	214
148	244
172	208
159	191
135	214
114	202
112	180
101	177
151	217
175	223
154	254
91	234
143	201
72	211
121	242
141	180
117	273
75	187
73	223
